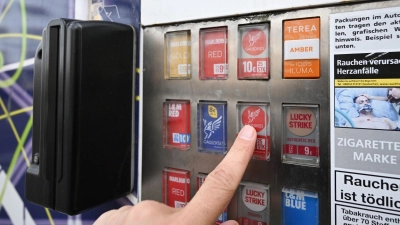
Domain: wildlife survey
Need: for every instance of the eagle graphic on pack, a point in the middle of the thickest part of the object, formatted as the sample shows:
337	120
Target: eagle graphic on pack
253	115
211	126
253	39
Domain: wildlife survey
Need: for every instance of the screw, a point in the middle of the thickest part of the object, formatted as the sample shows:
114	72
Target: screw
36	158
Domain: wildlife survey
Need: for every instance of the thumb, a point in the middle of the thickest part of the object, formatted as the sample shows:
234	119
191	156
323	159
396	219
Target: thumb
220	185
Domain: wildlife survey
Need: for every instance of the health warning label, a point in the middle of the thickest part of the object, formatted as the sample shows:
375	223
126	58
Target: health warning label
368	190
367	69
365	46
364	71
367	82
350	215
366	31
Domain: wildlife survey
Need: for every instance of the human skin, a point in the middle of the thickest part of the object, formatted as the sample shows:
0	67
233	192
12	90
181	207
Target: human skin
208	203
395	92
362	100
367	120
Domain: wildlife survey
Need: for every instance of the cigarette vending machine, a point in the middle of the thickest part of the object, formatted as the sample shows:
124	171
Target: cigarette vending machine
318	82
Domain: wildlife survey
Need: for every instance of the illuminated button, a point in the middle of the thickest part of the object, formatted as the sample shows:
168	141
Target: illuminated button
300	134
256	115
177	55
176	124
212	127
213	53
299	207
253	204
253	54
176	187
301	48
201	177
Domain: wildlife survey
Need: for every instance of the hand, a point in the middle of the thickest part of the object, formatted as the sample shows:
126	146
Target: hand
208	203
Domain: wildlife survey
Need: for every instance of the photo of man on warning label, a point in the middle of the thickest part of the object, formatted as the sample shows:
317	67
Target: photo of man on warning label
367	119
367	108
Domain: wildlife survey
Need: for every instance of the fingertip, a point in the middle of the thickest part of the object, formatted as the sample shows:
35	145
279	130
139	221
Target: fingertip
248	132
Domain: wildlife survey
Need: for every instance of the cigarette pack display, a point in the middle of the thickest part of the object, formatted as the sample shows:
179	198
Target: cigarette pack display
177	55
212	127
253	51
256	115
299	207
176	187
213	52
301	48
176	124
300	134
253	204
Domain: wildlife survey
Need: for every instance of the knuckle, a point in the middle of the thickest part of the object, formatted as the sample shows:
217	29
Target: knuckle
112	217
222	178
141	210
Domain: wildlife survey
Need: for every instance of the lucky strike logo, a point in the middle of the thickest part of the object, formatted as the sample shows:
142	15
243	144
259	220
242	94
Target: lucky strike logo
255	117
301	121
254	198
254	42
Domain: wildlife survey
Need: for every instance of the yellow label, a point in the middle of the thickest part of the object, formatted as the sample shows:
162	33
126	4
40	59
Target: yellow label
367	82
212	111
178	55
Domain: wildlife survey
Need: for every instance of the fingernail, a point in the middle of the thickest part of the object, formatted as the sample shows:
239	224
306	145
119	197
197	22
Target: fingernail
247	132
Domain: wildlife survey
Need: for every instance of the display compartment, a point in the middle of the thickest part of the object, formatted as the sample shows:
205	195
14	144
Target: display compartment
253	51
212	127
253	203
300	134
300	207
256	115
214	53
301	48
176	187
176	124
177	55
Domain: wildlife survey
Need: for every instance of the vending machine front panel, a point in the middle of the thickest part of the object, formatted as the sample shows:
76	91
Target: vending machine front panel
295	90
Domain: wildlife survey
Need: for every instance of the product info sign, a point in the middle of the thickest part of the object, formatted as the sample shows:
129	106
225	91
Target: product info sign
365	133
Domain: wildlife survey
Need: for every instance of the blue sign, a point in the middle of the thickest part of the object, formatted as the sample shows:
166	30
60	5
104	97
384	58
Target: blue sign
212	127
299	207
223	217
181	138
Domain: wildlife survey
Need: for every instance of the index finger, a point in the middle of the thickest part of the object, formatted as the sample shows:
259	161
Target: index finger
220	185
